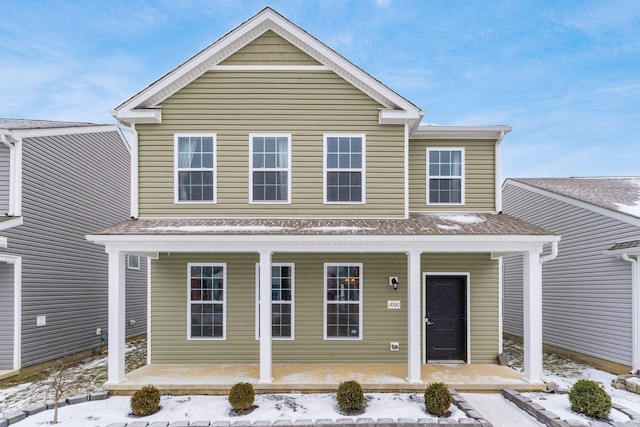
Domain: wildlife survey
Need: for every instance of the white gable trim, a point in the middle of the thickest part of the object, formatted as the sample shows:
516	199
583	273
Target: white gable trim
584	205
242	35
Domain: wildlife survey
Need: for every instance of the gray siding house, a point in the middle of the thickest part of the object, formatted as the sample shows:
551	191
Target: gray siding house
58	182
590	297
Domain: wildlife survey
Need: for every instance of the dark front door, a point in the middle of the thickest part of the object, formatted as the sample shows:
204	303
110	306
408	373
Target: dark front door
446	318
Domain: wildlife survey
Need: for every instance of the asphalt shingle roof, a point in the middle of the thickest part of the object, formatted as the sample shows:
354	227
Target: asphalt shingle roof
22	124
621	194
427	225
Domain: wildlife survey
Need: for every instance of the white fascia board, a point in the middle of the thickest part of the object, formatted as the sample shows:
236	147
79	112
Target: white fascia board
620	252
35	133
246	32
399	117
10	223
325	244
620	216
462	132
148	115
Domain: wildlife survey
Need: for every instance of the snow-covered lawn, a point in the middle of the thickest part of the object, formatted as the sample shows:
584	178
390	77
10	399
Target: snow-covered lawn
272	407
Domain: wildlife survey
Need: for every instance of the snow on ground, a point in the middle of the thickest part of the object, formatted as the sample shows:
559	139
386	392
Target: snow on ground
272	407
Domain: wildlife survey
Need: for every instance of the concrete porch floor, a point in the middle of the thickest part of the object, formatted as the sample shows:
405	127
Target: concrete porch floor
319	378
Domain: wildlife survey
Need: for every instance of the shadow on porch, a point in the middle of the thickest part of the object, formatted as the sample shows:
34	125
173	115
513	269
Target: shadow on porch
325	378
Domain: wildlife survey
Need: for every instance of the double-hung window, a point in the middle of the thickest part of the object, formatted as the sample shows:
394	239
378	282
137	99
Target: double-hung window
445	176
195	168
282	301
344	180
207	301
270	176
343	301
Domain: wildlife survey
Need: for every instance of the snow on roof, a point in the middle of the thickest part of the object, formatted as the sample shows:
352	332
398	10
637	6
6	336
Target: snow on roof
621	194
20	124
416	224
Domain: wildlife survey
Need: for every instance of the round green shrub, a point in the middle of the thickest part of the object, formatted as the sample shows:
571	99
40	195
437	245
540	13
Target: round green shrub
590	398
437	399
350	397
242	396
145	401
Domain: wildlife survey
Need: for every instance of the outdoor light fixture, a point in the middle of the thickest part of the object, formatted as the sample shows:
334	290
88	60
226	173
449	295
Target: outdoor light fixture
393	282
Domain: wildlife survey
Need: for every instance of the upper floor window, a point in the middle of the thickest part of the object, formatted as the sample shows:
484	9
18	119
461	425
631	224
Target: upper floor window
282	310
270	178
343	301
344	169
195	172
445	176
207	300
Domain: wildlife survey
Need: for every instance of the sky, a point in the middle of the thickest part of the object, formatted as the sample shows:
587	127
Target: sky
564	74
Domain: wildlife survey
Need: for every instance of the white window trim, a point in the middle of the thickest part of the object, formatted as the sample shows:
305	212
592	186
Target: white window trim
224	301
362	170
137	264
360	302
176	190
293	299
288	169
461	177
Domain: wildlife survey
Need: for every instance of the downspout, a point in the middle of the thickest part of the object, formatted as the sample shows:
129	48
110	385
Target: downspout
498	173
134	167
635	314
12	174
552	255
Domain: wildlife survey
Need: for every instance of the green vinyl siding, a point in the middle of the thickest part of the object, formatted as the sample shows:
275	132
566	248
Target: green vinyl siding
484	298
270	49
306	104
479	175
380	324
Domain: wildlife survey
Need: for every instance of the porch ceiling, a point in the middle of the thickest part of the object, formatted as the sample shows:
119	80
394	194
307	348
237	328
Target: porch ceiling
320	378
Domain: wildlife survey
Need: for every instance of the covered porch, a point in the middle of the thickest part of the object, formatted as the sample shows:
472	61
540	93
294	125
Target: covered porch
415	239
320	378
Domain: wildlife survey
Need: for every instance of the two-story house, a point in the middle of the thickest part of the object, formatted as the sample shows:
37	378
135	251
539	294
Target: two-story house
296	212
58	182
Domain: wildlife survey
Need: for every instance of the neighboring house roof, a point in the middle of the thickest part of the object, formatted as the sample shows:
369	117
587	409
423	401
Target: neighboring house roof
623	246
142	107
417	225
618	194
21	124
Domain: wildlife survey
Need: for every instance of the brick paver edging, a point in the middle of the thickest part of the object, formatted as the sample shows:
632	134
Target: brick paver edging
550	419
12	417
474	418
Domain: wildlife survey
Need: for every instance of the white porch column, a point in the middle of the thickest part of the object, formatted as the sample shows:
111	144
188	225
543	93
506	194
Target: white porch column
532	322
635	311
265	317
414	319
116	324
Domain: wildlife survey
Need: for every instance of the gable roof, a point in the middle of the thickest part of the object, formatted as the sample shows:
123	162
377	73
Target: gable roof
616	194
143	106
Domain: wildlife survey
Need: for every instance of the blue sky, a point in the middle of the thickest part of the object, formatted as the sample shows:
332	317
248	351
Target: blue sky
564	74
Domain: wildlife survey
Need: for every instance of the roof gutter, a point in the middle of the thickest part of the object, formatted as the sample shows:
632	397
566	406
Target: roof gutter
552	255
133	175
12	175
498	172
